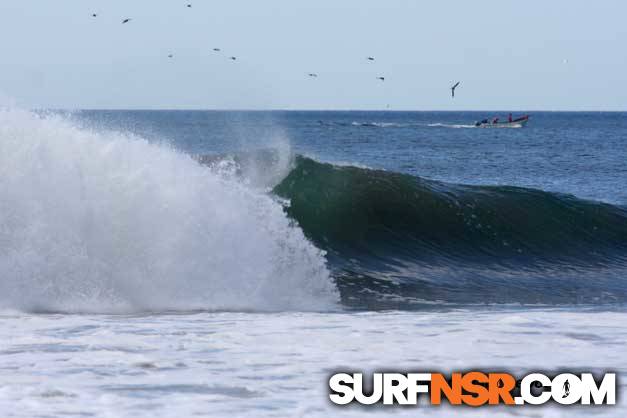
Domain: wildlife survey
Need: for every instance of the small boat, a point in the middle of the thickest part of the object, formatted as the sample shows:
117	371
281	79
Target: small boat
495	123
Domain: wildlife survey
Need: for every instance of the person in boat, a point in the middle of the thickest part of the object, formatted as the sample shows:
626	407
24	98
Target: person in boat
509	118
481	122
495	121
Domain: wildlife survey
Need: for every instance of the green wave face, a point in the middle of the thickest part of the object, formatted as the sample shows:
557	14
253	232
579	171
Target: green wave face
395	240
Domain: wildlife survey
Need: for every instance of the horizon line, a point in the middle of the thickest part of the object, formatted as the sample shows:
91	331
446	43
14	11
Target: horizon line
198	109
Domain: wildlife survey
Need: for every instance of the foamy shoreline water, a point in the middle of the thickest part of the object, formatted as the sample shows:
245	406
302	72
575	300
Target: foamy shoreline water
277	365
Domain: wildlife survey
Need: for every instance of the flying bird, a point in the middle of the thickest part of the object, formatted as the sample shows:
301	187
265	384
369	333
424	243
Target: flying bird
453	88
313	75
126	21
170	55
381	78
232	58
370	58
217	49
94	15
189	5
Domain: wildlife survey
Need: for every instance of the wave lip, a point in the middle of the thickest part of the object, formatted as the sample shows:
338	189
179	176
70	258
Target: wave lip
406	237
106	222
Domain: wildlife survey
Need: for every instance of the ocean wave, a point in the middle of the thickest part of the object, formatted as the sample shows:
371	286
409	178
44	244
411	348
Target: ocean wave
106	222
392	237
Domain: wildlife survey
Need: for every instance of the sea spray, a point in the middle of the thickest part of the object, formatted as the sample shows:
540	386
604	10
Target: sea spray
108	222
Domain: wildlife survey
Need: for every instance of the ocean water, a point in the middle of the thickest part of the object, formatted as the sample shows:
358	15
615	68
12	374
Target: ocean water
180	263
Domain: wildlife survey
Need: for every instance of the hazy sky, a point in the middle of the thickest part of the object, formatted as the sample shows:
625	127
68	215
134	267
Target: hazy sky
533	54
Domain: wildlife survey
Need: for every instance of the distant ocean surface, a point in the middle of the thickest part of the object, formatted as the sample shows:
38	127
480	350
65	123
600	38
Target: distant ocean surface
171	263
581	153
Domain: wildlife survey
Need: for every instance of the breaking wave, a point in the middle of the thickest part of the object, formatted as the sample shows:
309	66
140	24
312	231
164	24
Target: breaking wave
395	240
107	222
98	221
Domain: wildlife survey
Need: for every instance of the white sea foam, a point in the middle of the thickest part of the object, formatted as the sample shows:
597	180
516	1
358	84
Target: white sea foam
108	222
449	125
230	364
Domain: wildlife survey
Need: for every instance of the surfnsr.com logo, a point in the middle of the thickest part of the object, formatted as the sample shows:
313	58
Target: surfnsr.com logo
472	389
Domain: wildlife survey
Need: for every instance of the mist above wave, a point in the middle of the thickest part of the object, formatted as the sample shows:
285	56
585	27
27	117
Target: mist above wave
107	222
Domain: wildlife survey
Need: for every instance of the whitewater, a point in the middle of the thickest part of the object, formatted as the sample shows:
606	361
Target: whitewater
106	222
139	279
